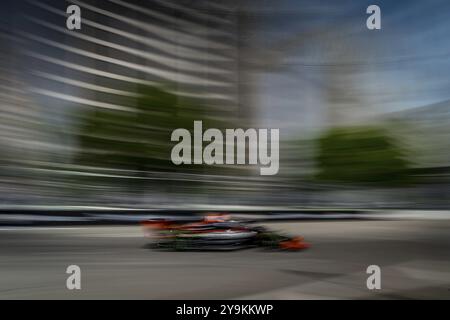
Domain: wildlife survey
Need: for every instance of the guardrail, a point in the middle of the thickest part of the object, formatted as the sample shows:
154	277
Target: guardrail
89	215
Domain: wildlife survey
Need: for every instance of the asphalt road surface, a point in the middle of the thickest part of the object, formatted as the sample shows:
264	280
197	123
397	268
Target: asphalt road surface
414	257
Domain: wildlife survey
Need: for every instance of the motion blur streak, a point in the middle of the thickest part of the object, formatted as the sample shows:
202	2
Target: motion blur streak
116	264
87	114
364	134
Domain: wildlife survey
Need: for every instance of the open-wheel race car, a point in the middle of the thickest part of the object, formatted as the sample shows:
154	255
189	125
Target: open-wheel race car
216	232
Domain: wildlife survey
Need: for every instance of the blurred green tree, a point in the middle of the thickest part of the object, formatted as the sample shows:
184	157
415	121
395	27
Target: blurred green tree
139	140
361	155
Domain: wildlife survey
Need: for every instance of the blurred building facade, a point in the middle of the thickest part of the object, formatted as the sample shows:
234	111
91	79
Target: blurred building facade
188	45
189	48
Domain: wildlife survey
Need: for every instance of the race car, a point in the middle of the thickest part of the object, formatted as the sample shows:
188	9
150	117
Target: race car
216	232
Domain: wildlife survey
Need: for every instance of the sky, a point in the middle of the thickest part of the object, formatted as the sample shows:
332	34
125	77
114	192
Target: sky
403	65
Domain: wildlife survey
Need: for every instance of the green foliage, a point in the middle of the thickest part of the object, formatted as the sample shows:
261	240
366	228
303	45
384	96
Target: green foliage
361	155
140	139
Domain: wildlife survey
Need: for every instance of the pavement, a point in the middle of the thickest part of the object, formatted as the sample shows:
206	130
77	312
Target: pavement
116	263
